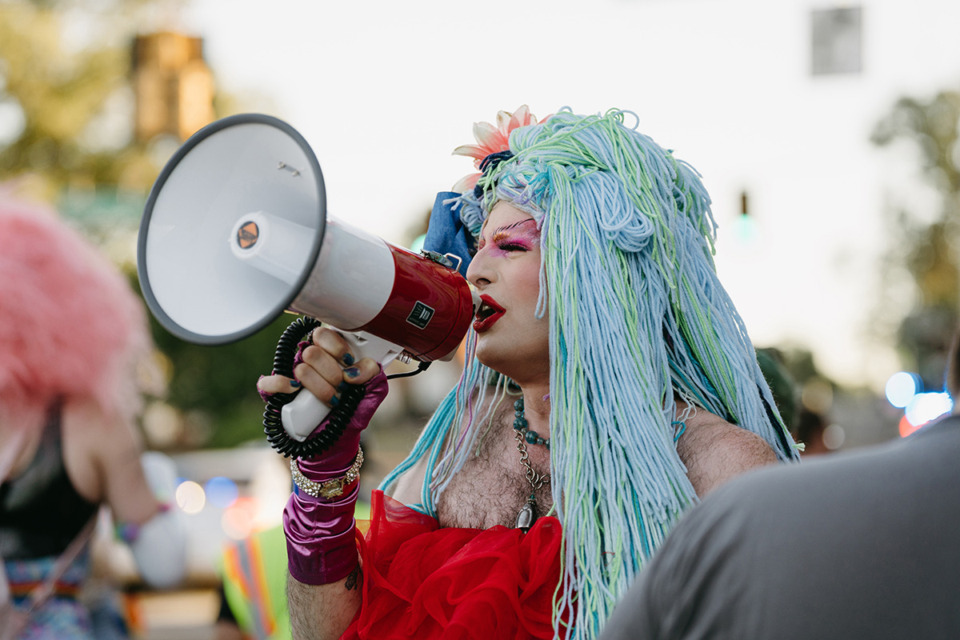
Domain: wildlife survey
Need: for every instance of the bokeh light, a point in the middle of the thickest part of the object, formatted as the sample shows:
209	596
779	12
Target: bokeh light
834	436
905	428
190	497
221	492
923	408
745	229
238	520
901	388
417	245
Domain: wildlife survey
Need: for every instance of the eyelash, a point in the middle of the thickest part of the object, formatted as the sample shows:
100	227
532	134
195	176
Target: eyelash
506	244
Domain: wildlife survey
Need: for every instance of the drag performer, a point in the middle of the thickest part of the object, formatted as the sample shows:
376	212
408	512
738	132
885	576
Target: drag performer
72	333
609	383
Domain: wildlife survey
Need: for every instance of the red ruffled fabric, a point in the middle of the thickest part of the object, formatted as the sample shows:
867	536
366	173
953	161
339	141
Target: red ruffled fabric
424	581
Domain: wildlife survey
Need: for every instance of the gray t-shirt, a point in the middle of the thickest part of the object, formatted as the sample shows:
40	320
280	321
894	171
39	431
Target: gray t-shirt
859	545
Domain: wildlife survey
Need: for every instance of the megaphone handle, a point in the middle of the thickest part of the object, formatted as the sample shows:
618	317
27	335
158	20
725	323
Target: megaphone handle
302	415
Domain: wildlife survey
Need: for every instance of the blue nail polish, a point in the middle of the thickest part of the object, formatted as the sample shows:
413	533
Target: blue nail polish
343	386
348	359
295	384
352	372
334	401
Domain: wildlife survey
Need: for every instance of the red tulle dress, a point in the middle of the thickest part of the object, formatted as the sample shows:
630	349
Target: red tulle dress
424	581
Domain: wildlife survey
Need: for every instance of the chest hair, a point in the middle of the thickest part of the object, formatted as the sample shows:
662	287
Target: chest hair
492	487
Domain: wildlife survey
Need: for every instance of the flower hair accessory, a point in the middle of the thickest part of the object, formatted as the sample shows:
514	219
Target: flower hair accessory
491	140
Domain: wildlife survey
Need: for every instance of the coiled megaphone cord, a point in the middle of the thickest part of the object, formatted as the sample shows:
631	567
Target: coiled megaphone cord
338	417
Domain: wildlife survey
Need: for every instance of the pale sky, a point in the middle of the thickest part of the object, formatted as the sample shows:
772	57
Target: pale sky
384	90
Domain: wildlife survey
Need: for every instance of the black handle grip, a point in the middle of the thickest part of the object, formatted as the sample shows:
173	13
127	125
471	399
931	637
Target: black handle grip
337	419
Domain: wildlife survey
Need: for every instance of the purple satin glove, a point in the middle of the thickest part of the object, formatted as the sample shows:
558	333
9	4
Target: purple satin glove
320	533
320	537
336	461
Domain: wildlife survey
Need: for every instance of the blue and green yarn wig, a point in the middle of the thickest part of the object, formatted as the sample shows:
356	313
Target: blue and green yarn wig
637	318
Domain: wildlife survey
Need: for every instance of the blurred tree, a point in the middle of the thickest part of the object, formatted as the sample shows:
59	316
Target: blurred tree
67	136
927	245
64	95
215	386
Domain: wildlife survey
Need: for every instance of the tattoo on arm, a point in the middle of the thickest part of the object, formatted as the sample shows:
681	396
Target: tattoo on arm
354	580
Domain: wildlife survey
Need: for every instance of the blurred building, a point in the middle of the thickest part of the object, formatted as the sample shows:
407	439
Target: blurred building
172	84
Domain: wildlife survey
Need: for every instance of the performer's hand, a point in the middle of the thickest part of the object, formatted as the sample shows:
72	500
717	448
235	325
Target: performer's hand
324	366
323	363
319	525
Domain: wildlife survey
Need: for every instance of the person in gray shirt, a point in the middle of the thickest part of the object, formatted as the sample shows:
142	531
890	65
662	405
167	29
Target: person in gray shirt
857	545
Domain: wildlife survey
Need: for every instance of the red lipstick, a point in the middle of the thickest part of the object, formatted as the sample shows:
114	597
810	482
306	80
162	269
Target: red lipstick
488	313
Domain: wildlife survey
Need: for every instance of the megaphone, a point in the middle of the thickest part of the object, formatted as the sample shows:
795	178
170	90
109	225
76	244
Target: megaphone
235	232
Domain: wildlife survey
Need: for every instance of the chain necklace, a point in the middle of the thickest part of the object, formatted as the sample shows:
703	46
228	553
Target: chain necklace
528	512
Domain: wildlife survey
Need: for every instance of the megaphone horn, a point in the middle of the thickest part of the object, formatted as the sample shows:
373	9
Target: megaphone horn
235	232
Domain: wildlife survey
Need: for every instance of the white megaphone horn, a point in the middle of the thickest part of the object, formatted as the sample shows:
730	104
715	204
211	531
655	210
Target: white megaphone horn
235	232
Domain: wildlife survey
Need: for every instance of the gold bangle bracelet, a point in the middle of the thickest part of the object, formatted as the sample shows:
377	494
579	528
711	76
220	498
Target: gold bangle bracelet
331	488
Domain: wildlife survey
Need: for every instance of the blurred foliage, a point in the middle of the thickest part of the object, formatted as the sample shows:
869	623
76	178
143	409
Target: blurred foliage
798	385
215	386
928	247
64	88
66	136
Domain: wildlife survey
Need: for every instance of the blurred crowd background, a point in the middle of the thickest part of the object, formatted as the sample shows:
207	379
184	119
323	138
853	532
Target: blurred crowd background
828	133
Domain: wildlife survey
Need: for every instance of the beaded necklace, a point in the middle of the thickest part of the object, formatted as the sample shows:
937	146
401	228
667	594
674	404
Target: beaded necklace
520	424
528	512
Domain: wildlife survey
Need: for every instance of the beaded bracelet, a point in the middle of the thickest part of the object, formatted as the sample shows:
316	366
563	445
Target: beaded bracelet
128	531
331	488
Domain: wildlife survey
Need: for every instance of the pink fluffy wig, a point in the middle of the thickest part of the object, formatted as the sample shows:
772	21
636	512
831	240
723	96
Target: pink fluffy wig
70	326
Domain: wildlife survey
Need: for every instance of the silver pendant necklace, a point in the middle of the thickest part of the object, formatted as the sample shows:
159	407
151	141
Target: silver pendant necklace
528	512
